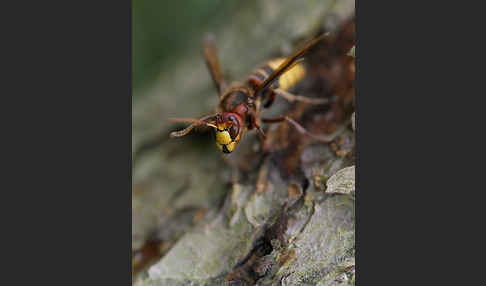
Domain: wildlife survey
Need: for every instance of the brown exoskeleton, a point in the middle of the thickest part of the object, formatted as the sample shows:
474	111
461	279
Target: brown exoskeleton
239	105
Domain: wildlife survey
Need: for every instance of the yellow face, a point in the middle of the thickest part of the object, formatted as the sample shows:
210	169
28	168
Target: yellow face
225	142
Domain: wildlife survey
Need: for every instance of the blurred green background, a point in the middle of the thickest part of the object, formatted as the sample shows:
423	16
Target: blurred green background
164	30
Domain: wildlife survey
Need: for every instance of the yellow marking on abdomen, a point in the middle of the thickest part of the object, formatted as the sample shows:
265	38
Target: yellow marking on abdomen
290	77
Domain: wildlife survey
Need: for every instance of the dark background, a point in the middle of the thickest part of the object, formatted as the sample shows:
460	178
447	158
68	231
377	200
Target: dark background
75	225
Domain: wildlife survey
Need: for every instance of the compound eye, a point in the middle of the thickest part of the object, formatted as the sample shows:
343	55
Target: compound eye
234	128
233	132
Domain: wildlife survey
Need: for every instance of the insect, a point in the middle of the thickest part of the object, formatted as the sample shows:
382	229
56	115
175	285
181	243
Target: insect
240	104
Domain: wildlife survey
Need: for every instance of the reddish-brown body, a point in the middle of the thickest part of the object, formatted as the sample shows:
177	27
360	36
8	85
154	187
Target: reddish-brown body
239	105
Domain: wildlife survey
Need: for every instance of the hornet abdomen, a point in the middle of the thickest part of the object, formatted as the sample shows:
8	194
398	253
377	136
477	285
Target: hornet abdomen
286	80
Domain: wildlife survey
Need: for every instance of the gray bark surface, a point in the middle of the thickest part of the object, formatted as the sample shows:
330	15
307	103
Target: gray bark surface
182	193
